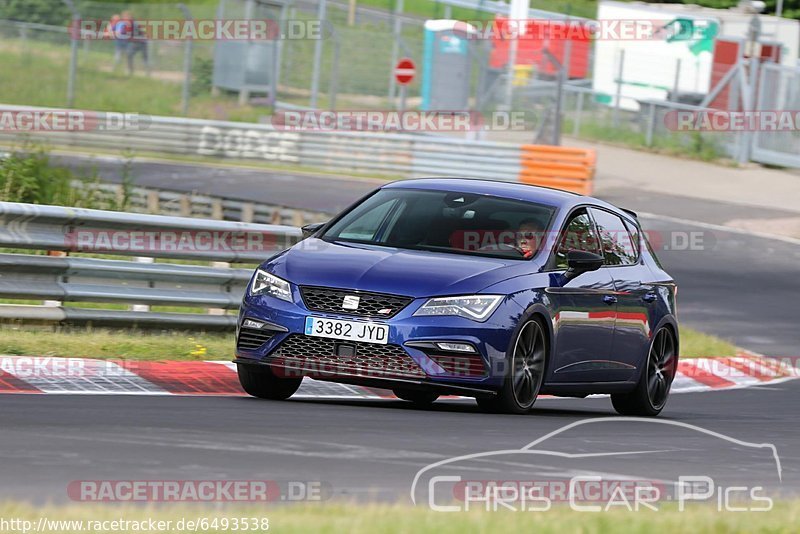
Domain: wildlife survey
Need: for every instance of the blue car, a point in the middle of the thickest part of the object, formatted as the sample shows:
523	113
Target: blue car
444	286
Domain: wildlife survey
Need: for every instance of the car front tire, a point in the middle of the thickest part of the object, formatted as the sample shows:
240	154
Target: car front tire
527	363
652	390
262	382
418	397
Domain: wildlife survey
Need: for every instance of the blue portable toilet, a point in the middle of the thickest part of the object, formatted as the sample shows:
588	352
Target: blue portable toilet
446	65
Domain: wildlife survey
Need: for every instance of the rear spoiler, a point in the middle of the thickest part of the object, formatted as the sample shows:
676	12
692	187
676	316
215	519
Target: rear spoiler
631	213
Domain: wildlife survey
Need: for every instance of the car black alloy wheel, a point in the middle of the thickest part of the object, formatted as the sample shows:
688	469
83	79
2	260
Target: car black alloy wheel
652	391
526	373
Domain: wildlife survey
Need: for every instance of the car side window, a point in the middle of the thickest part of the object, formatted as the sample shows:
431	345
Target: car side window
618	246
578	234
636	239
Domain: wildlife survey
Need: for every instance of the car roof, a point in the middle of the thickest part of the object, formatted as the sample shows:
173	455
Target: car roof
512	190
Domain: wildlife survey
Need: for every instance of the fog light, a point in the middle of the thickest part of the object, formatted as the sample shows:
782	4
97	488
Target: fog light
456	347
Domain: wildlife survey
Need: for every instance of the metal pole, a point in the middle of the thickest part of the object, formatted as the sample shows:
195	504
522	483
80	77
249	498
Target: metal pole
576	127
396	32
779	8
562	75
351	13
651	123
403	91
317	57
334	87
675	85
187	65
619	86
73	53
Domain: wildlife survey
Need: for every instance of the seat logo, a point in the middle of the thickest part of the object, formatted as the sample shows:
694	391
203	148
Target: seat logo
350	302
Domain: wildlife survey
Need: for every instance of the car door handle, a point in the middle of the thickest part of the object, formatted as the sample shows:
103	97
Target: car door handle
649	297
610	299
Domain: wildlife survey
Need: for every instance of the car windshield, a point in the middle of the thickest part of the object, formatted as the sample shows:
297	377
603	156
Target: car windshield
446	221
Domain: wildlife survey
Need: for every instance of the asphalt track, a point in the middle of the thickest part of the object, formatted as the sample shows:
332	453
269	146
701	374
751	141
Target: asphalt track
743	287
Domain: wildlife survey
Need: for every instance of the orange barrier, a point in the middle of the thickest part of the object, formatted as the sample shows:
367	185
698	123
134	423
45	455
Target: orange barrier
570	169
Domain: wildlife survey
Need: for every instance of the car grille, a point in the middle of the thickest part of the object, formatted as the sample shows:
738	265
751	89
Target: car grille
370	304
316	355
253	338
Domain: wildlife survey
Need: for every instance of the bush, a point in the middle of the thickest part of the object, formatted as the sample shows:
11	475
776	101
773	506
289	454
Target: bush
53	12
28	176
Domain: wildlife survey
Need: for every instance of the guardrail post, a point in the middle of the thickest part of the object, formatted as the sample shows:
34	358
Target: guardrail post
247	212
217	212
153	202
142	307
186	206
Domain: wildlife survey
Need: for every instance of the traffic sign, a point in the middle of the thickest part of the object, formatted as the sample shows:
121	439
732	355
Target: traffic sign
404	71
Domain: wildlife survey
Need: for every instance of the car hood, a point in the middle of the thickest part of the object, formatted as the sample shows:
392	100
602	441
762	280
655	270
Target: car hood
315	262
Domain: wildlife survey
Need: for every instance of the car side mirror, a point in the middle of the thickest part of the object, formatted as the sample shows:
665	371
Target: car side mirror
579	262
311	229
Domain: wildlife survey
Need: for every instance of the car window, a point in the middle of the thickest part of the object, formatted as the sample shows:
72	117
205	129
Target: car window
617	244
364	227
446	221
636	239
578	234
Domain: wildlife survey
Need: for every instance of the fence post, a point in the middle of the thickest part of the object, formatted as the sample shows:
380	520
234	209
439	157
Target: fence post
73	52
396	36
651	123
317	57
334	81
563	74
619	87
187	65
576	126
675	89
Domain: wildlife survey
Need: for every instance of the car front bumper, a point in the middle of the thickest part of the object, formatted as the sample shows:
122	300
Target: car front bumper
410	359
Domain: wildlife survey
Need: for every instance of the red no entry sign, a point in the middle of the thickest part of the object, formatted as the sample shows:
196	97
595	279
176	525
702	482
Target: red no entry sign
404	71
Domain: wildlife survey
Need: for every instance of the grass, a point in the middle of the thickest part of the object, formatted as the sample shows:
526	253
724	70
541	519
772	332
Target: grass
111	344
134	345
385	518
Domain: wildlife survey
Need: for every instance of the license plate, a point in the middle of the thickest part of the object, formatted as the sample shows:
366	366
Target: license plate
348	330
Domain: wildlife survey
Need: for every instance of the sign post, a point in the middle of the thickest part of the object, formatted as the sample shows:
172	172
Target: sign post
404	72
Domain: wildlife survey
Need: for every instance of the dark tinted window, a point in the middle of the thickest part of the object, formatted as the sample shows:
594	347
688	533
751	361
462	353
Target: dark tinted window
578	234
617	244
445	221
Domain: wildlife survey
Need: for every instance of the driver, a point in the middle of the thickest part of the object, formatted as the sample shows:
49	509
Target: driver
529	237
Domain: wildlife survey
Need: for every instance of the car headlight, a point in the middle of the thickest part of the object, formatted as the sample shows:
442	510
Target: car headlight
475	307
265	283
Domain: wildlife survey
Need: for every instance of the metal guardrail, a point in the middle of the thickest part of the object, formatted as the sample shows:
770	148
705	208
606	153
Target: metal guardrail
180	204
396	154
68	279
37	227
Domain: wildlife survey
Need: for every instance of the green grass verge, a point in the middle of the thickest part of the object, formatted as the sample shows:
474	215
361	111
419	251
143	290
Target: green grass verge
377	518
110	344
